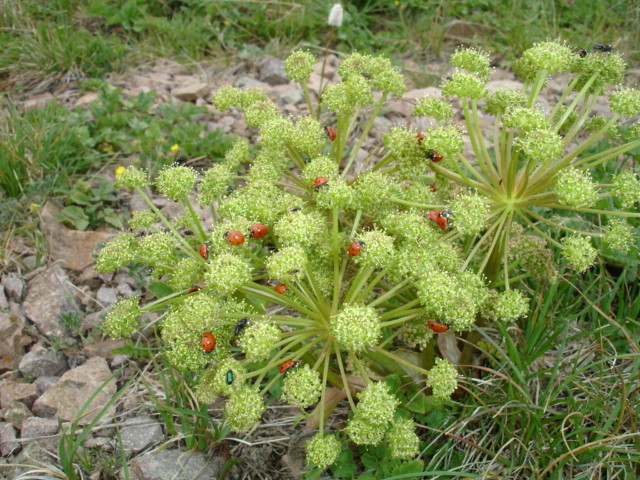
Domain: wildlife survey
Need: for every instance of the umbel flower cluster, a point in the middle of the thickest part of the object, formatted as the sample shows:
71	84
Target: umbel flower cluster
314	276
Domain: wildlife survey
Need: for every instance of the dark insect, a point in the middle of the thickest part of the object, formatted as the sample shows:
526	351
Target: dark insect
229	377
601	47
241	325
582	52
181	160
433	187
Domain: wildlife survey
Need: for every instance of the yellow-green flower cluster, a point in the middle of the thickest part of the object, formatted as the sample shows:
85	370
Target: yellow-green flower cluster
275	133
472	60
470	213
375	409
301	386
541	146
186	274
627	188
447	141
402	145
258	340
213	381
299	65
243	409
337	194
605	69
503	100
237	154
226	273
378	252
510	305
433	107
356	327
288	264
307	136
322	450
576	188
321	166
416	333
534	257
259	113
464	85
373	191
526	119
579	252
123	319
619	235
157	249
301	229
625	101
130	177
402	438
176	181
117	253
226	97
411	226
342	98
550	57
214	183
443	379
142	219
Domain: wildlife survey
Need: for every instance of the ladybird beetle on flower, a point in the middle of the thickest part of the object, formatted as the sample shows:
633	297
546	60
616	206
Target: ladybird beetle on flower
433	188
204	250
355	248
433	215
438	327
318	182
280	288
193	289
208	342
434	156
241	325
286	365
420	137
258	230
234	237
331	132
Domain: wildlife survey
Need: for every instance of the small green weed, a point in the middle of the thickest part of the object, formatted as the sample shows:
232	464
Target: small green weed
90	204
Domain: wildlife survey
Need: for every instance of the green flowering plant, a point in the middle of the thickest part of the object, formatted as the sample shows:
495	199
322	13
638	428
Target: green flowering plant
318	276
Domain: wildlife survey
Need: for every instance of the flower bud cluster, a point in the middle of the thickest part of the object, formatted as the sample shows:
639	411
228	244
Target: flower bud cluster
322	449
343	98
335	194
373	191
301	386
541	146
447	141
402	145
575	188
258	340
625	101
402	439
237	154
288	264
243	409
579	252
550	57
226	273
375	409
470	213
534	257
142	219
321	166
472	60
433	107
356	327
130	177
299	65
157	249
378	252
176	181
464	85
619	235
503	100
602	69
417	333
123	319
186	274
298	229
214	184
214	380
117	253
510	305
626	186
443	379
526	119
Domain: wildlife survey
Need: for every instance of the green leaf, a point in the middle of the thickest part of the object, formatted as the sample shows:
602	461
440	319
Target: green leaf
344	466
393	381
160	289
413	466
79	198
74	216
418	403
312	475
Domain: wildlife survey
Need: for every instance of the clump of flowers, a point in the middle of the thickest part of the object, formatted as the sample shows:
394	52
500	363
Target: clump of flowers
317	274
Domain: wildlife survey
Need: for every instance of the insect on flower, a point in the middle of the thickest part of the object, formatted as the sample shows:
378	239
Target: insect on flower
331	132
258	230
280	288
355	248
208	342
601	47
204	250
286	365
194	289
433	187
420	137
439	327
433	215
240	326
319	182
229	377
434	156
234	237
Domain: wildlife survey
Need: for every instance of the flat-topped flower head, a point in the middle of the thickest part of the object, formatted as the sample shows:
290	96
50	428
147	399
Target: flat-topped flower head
275	133
123	319
541	146
373	191
376	405
510	305
130	177
258	340
447	299
142	219
576	188
602	69
243	409
356	327
411	226
307	136
118	251
259	113
321	166
443	379
525	119
504	99
464	85
299	229
186	274
301	386
471	213
472	60
625	101
288	264
626	187
342	98
378	252
299	65
176	181
157	249
445	141
550	57
237	154
619	235
335	194
579	252
322	450
215	182
433	107
226	273
402	439
227	96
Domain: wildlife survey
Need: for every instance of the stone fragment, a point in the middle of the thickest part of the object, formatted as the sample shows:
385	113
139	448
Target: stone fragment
36	427
272	71
106	296
40	362
44	383
17	391
50	295
4	303
139	433
74	388
14	287
175	464
16	413
86	99
247	83
40	100
8	442
192	91
12	341
32	454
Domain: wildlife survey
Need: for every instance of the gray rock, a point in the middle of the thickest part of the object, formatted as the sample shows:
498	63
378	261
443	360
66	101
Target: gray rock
44	383
192	91
51	294
291	95
16	310
248	82
12	341
17	391
4	303
125	290
74	388
16	413
103	443
139	433
91	321
272	71
41	430
506	84
106	296
175	464
8	442
32	454
14	286
40	362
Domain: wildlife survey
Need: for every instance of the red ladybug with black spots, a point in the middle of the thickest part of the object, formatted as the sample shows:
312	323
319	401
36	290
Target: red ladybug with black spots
208	342
438	327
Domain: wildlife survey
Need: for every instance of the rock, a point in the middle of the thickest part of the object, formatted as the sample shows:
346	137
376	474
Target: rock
50	294
291	95
32	454
103	443
44	383
73	247
103	349
86	99
192	91
106	296
494	85
8	442
12	341
14	287
247	83
4	303
272	71
17	391
16	413
125	290
35	427
74	388
40	362
175	464
40	100
91	321
139	433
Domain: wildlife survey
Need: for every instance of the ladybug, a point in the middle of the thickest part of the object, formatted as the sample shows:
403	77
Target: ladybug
286	365
447	213
433	215
420	137
582	52
258	230
234	237
280	288
438	327
331	132
355	248
204	250
208	342
318	182
433	188
229	377
193	289
434	156
241	325
601	47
